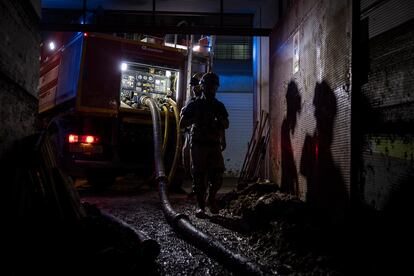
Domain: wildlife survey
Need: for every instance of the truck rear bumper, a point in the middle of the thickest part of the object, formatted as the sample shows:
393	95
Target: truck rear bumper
80	168
95	164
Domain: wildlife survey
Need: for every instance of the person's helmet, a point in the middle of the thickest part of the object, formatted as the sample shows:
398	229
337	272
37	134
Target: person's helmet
195	79
210	78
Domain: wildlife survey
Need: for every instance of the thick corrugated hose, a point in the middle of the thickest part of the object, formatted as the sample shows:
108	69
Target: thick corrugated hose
181	223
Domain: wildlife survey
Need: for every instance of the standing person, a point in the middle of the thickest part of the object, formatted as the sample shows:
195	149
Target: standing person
186	157
208	119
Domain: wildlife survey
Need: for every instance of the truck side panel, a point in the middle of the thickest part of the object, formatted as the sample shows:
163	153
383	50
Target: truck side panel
59	75
48	81
101	77
69	71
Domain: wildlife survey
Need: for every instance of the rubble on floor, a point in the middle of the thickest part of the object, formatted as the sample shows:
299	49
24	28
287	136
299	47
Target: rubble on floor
290	237
277	231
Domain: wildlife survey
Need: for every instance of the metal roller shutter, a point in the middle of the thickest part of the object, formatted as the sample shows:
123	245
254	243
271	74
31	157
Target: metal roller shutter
240	109
385	15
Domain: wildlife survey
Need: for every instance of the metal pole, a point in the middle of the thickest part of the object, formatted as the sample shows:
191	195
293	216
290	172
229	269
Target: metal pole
84	12
213	42
221	13
189	64
153	12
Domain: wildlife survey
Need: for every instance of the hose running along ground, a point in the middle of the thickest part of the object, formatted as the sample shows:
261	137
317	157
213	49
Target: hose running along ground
181	223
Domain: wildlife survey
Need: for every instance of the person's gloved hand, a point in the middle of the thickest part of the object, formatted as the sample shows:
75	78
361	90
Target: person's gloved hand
223	145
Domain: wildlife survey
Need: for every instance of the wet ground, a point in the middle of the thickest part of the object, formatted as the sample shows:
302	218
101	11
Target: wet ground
139	207
274	230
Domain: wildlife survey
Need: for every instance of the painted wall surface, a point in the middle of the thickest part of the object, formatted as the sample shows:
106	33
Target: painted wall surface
388	149
310	65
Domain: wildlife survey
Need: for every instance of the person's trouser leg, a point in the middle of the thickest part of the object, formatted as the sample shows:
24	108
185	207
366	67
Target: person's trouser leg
216	181
185	154
199	170
200	187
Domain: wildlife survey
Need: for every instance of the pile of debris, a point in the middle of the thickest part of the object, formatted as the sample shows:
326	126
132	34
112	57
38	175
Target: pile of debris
291	237
286	234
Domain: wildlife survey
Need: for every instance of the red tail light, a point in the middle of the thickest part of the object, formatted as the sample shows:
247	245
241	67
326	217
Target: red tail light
89	139
73	138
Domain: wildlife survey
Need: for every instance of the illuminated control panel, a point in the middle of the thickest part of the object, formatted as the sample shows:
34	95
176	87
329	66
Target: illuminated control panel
140	79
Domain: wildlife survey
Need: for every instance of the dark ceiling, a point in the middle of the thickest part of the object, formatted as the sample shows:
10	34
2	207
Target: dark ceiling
225	17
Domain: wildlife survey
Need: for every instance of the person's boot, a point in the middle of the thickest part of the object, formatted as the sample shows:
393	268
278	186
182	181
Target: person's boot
191	196
200	213
200	190
213	206
216	180
201	203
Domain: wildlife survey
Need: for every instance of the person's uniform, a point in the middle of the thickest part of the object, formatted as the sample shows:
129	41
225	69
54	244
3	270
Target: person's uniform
186	157
209	118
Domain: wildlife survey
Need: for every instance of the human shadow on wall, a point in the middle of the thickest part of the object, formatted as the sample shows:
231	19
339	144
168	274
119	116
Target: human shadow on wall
289	179
325	185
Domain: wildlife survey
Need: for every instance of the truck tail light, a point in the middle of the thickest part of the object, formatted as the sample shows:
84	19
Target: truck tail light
88	139
73	138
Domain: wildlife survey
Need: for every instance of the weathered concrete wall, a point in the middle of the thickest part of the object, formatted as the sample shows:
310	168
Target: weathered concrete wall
310	104
388	153
19	67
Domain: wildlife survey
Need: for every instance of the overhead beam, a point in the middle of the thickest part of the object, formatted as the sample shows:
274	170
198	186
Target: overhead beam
47	11
152	22
112	28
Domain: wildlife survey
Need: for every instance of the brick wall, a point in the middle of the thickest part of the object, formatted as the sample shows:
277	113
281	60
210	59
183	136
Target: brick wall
388	153
19	66
310	108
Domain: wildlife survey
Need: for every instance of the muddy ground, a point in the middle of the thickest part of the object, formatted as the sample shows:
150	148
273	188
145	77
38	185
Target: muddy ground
277	231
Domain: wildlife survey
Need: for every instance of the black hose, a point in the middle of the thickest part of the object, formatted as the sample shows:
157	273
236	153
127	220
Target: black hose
148	247
181	223
177	139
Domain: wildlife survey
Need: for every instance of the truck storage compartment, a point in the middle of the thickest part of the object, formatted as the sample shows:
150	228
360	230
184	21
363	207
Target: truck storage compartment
110	62
143	80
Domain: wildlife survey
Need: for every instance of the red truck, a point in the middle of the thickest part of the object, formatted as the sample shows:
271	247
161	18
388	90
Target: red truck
89	91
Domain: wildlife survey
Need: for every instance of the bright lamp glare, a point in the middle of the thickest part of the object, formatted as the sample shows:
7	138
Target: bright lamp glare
52	45
89	139
168	74
196	48
124	66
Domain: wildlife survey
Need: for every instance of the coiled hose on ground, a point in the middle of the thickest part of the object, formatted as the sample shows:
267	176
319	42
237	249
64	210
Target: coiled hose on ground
180	222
